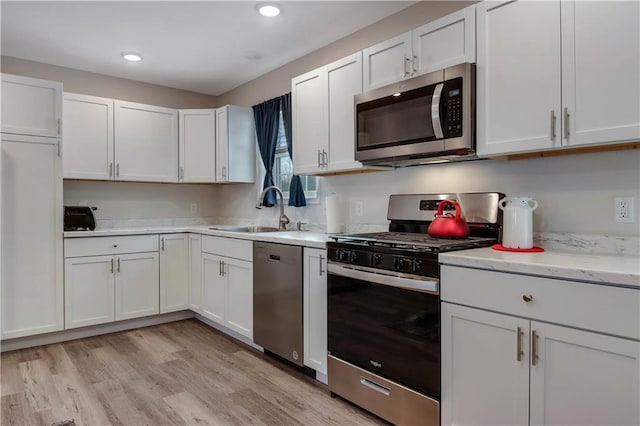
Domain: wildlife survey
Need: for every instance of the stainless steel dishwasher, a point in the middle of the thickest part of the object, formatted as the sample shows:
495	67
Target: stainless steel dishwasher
277	299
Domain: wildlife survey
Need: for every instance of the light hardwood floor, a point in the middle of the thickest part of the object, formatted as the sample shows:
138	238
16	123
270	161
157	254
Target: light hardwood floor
178	373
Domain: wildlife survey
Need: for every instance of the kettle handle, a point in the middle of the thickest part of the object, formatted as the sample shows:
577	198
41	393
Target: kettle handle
444	203
533	204
503	203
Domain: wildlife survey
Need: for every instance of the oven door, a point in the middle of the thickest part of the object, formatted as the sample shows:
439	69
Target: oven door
386	324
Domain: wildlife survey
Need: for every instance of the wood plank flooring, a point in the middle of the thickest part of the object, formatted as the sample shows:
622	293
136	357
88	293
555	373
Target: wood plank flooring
172	374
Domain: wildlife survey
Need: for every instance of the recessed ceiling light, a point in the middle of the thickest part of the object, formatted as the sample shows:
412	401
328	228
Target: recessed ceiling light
268	9
131	57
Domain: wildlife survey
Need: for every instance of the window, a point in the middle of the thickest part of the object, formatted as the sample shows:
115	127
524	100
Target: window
283	169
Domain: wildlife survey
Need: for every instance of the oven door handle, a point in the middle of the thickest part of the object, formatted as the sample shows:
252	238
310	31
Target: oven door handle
393	279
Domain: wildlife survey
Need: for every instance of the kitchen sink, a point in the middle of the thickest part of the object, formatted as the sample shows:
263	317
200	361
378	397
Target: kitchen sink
249	229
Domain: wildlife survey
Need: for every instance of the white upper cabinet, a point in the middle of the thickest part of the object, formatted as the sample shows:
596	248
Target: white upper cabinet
518	76
388	62
197	145
31	107
450	40
600	71
571	79
309	121
324	117
235	144
146	143
88	137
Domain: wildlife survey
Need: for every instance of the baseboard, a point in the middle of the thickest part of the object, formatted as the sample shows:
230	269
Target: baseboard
94	330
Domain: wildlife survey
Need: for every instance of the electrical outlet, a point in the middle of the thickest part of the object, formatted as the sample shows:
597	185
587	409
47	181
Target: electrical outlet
194	208
359	208
624	209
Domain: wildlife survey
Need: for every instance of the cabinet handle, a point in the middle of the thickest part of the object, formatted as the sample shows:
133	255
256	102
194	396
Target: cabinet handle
59	147
319	160
117	169
118	265
534	348
222	264
406	61
224	172
324	158
414	61
182	173
59	127
553	124
110	169
220	268
162	243
321	260
566	123
527	298
112	265
519	352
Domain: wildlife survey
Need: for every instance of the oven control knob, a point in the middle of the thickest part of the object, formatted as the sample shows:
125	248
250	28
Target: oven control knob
342	254
416	264
399	262
376	259
353	256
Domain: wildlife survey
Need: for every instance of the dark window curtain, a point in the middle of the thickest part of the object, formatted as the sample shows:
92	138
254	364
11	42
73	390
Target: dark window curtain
266	116
296	192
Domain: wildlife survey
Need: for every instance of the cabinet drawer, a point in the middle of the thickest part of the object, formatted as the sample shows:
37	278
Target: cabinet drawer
602	308
229	247
96	246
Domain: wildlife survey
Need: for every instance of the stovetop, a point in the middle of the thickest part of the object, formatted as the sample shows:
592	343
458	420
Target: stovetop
413	241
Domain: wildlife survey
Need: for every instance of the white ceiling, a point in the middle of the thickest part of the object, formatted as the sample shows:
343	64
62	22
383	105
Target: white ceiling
204	46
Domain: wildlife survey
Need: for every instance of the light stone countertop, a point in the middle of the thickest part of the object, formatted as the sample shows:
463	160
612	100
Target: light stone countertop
298	238
595	268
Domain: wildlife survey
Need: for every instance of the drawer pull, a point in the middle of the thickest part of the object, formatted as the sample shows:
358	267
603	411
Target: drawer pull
527	298
376	387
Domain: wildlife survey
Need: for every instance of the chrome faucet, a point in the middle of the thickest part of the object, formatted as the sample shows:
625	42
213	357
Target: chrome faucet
284	220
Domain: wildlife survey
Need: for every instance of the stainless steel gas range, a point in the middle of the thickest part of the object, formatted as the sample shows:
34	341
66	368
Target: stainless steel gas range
384	306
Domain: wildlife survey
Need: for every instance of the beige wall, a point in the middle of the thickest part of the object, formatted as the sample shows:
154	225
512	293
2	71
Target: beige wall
89	83
278	82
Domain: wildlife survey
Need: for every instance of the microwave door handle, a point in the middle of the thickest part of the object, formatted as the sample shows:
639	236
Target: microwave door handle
435	111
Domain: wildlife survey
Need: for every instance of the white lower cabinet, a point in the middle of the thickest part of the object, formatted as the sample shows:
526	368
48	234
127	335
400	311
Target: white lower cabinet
137	285
174	272
315	309
507	369
195	273
227	283
89	291
110	279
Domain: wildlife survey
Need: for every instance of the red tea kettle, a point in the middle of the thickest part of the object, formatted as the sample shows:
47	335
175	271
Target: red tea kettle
446	225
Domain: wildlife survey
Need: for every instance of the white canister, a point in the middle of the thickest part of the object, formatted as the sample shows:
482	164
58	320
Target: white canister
518	221
334	216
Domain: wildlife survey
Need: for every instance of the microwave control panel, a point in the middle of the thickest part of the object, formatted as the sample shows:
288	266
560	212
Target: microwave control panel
452	125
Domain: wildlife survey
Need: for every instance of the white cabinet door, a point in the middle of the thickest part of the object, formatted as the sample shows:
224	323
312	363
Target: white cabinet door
448	41
600	71
387	62
197	145
146	140
88	137
241	145
485	367
222	144
31	107
137	285
583	378
89	291
310	122
195	273
214	288
518	76
315	309
32	264
344	79
174	272
239	309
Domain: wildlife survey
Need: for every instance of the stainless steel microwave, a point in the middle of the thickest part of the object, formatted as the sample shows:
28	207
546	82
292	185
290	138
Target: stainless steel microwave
429	118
